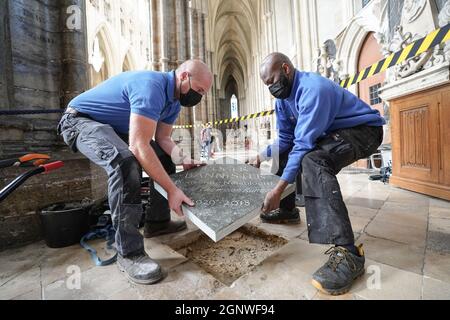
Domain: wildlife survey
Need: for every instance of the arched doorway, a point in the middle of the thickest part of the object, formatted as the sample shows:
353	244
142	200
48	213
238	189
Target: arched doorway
225	112
368	90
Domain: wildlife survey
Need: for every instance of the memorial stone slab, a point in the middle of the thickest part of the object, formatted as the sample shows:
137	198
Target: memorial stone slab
227	194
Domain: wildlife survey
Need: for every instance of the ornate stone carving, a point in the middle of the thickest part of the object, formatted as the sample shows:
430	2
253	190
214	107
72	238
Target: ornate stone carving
437	58
444	15
413	9
400	41
441	53
444	19
95	4
327	64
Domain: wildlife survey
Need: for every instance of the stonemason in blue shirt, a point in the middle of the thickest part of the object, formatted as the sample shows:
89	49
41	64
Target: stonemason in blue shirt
147	93
125	125
322	129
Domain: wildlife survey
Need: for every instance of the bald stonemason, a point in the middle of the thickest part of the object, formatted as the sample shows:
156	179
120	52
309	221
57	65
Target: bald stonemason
114	125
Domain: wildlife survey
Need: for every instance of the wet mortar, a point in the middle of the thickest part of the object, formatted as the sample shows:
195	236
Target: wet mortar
234	256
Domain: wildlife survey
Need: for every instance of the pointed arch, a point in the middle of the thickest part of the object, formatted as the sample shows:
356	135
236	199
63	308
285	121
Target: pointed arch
129	62
101	55
355	35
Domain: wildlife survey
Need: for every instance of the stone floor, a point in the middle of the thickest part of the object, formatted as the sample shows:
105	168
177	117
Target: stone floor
406	237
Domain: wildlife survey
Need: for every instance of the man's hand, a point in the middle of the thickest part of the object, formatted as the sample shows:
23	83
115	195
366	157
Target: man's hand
192	164
176	199
272	201
273	198
255	162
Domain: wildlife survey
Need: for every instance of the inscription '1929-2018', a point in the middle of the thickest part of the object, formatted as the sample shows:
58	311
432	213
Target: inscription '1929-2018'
225	203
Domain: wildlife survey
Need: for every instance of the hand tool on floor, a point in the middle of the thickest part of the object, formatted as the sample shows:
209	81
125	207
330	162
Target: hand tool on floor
28	160
45	168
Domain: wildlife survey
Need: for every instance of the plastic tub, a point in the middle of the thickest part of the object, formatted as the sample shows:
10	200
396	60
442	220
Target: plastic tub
64	224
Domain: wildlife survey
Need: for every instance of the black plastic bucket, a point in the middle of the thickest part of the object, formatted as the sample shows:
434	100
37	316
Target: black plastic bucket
64	224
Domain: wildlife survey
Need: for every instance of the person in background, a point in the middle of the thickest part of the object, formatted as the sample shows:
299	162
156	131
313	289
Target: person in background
206	135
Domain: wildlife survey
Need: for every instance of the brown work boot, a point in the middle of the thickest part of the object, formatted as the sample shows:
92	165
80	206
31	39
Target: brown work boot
156	229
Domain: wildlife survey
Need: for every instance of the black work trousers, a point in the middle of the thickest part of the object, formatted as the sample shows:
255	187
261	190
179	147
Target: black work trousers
327	215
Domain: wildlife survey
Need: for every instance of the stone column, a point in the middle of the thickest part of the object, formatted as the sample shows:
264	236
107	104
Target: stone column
182	39
211	102
155	31
164	34
5	73
5	59
297	34
187	28
74	53
195	50
180	45
308	32
202	37
180	31
194	40
170	34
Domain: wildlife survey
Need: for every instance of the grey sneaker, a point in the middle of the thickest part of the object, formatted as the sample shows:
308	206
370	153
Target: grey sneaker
140	269
340	271
281	216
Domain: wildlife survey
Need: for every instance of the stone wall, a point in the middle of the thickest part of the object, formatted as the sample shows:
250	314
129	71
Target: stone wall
440	4
43	65
5	55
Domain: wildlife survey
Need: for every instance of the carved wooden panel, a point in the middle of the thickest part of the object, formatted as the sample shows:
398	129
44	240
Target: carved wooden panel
415	138
421	142
414	135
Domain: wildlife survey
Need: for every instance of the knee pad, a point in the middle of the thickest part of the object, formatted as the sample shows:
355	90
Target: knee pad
132	176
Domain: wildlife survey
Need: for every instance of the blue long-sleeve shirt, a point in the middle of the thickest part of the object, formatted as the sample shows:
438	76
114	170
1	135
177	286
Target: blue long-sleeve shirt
317	106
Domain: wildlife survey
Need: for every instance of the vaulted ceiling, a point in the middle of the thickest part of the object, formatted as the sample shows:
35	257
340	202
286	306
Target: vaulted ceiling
234	34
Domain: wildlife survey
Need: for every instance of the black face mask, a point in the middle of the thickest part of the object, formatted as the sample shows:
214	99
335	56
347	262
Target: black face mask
191	98
281	89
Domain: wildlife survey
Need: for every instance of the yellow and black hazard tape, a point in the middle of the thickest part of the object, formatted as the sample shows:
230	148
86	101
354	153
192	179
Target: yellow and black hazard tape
232	120
414	49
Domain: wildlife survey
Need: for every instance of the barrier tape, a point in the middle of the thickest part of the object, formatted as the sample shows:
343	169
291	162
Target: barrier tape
437	37
232	120
414	49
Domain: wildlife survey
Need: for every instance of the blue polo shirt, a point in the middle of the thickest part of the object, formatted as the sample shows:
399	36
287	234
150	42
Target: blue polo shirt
317	106
146	93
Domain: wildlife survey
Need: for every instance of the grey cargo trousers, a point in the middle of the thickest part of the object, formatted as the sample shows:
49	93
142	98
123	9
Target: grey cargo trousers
103	146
